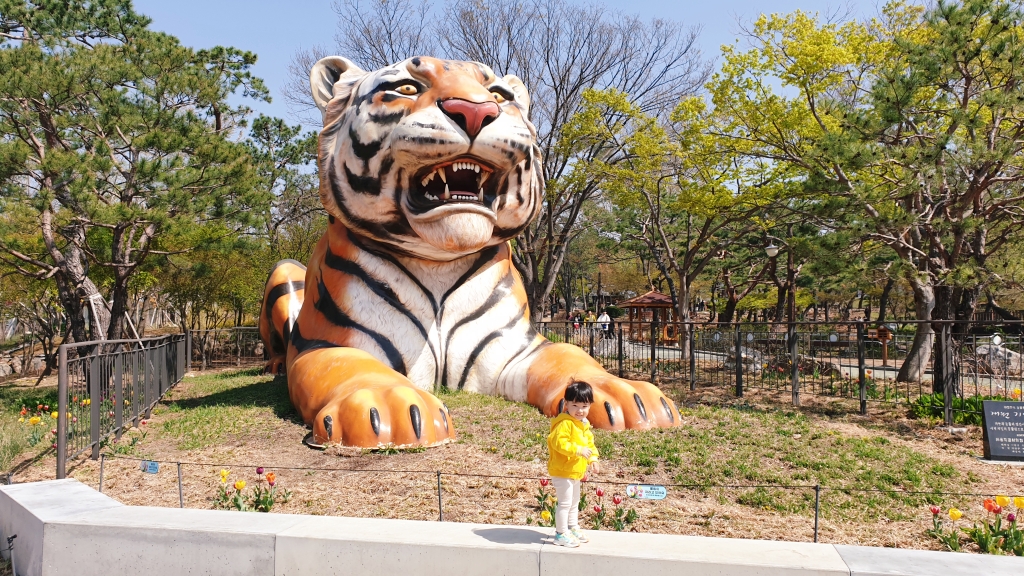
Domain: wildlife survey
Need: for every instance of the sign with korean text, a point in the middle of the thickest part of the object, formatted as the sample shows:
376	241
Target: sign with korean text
646	491
1004	430
149	467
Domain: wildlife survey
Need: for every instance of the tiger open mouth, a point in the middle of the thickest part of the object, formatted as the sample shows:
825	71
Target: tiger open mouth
460	181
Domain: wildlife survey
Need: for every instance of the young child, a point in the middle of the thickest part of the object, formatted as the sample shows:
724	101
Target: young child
571	448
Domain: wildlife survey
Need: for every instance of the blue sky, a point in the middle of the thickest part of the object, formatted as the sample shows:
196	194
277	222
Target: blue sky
275	30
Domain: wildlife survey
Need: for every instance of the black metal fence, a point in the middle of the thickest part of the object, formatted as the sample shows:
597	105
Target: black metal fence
226	347
104	387
852	360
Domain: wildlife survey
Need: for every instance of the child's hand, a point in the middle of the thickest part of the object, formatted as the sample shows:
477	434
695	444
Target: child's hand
585	452
595	467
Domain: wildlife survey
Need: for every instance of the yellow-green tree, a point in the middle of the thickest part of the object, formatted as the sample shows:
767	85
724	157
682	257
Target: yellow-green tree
906	129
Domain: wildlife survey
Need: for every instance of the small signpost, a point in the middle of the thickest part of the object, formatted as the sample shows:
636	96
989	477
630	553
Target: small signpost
1003	434
883	335
646	491
149	467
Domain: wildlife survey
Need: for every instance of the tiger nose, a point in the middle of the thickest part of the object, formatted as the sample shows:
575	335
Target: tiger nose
470	116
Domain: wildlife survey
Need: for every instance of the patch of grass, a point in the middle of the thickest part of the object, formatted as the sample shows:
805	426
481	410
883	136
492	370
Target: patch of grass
216	407
722	445
515	430
12	398
13	440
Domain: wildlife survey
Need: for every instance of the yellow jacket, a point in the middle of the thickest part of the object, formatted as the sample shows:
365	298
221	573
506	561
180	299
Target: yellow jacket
567	436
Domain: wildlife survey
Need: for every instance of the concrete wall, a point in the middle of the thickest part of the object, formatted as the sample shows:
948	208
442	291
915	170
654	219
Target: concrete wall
67	529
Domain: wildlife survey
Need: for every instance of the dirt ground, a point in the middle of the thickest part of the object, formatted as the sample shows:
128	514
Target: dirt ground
405	484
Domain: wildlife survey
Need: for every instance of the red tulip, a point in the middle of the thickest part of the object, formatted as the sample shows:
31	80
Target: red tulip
597	509
935	510
544	481
47	408
1011	517
599	492
997	509
259	471
617	499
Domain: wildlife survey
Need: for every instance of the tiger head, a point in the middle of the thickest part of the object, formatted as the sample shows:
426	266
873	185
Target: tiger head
434	158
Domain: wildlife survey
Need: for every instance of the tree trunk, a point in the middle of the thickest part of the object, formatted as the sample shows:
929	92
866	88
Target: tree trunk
883	300
920	350
730	309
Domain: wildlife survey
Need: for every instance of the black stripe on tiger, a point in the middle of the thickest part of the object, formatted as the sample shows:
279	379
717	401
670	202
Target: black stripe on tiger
302	344
358	243
355	221
365	151
369	185
493	299
471	360
277	292
329	308
378	287
485	257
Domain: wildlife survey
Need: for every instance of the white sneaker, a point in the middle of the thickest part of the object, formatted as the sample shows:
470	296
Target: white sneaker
566	540
579	535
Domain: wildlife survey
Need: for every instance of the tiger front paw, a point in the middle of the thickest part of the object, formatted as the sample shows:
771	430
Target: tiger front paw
387	414
274	366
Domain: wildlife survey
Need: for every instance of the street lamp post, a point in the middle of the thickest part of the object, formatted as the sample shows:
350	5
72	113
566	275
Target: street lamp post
772	251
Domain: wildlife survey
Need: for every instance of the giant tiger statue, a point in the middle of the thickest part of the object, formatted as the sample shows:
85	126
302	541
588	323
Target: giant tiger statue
427	168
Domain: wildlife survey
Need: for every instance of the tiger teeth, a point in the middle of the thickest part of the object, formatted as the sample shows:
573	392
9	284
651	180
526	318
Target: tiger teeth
480	195
444	179
447	194
431	197
484	177
427	178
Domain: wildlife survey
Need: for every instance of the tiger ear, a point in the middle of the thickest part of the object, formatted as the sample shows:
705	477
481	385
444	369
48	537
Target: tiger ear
333	77
519	89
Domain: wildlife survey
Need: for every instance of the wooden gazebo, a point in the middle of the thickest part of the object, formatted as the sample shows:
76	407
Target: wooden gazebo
647	308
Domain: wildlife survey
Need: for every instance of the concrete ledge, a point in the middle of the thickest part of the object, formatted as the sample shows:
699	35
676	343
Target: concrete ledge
65	529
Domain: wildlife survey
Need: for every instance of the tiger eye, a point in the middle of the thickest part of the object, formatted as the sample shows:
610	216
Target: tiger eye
498	97
406	89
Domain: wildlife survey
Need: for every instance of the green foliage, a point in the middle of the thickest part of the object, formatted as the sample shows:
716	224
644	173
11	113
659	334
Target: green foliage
966	410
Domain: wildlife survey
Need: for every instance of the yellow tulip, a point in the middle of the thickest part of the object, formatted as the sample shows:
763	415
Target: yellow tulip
240	485
224	476
54	415
35	420
955	514
1003	501
1018	502
546	516
21	419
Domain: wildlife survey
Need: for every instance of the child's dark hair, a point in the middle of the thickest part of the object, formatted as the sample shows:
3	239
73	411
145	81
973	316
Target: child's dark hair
579	392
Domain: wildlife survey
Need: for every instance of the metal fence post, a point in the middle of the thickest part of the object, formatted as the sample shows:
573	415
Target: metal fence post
817	509
118	394
590	329
102	460
862	370
654	349
62	411
181	493
135	387
440	504
692	337
620	350
149	375
794	361
739	362
188	350
947	373
94	401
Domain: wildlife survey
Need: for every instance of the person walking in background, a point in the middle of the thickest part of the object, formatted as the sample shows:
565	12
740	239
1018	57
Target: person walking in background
571	451
605	320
